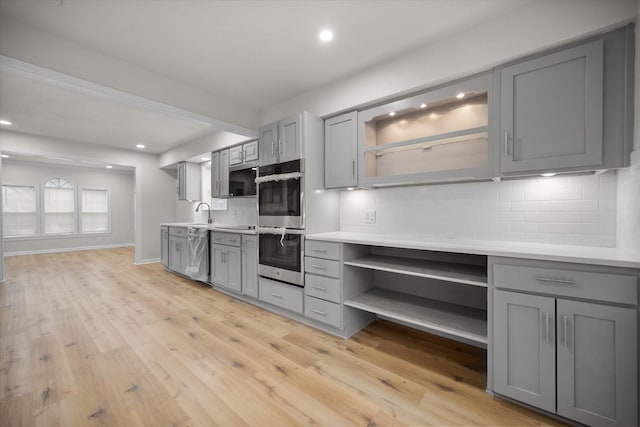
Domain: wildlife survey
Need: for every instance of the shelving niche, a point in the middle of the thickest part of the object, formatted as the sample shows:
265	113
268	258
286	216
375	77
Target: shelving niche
441	293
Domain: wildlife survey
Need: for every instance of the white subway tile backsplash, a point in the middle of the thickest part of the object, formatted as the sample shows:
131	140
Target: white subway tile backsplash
569	210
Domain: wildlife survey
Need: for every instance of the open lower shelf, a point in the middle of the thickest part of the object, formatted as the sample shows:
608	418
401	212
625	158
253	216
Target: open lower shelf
452	272
454	320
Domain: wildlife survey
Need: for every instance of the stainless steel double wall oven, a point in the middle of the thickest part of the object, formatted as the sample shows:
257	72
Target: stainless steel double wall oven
281	222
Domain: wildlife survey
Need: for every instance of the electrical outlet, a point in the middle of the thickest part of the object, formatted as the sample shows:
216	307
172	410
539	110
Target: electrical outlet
369	217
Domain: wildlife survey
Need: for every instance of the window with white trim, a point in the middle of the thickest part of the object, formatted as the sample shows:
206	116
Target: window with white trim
94	211
19	211
59	207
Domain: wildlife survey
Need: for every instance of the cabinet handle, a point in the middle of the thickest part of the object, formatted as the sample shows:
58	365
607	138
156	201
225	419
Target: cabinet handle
319	267
322	251
320	288
273	147
506	143
546	316
276	295
280	150
559	281
565	320
321	313
353	167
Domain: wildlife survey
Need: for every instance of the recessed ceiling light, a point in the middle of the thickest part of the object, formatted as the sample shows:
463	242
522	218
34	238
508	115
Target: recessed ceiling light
206	159
325	36
109	167
5	122
393	113
423	105
139	145
5	156
460	95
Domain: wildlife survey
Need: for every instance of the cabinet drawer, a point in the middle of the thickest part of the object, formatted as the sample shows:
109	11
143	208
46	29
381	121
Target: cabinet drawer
323	311
608	287
288	297
225	238
178	231
322	287
321	266
326	250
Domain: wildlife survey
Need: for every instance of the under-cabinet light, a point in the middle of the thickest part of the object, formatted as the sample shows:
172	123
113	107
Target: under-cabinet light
5	156
206	159
460	95
351	188
109	167
5	122
423	105
548	174
140	146
393	113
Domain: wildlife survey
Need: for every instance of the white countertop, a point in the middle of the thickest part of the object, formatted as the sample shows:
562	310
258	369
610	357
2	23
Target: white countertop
225	228
564	253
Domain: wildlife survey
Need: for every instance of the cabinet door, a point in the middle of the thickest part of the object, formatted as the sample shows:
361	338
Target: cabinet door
234	268
250	266
174	254
524	360
290	138
341	151
182	179
224	173
235	155
597	363
250	151
552	110
267	141
164	246
215	174
217	265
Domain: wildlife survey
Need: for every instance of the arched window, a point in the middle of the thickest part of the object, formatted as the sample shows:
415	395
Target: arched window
59	206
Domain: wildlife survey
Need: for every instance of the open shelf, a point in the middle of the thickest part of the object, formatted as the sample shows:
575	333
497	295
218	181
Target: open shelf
433	140
452	272
452	320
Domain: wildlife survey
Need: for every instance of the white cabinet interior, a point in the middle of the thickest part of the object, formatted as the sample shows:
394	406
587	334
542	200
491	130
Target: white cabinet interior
445	294
442	133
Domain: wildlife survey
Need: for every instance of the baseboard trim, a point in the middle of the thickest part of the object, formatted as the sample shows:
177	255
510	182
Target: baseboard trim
147	261
74	249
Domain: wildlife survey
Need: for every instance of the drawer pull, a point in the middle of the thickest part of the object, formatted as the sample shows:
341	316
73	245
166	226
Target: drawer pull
319	267
276	295
320	288
559	281
322	251
321	313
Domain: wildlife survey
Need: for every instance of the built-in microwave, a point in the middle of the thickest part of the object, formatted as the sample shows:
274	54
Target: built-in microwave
242	182
280	195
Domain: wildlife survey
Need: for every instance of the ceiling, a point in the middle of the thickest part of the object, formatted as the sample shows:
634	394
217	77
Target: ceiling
256	53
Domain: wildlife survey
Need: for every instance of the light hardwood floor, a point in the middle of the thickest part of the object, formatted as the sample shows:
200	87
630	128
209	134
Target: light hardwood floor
87	338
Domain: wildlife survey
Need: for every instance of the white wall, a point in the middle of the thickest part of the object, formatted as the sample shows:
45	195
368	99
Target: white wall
155	188
120	185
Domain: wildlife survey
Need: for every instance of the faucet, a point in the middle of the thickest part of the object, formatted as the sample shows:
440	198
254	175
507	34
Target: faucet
209	220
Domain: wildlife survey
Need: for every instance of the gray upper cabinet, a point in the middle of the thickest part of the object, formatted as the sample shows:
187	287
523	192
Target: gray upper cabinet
243	153
189	181
552	110
341	151
220	173
281	141
568	110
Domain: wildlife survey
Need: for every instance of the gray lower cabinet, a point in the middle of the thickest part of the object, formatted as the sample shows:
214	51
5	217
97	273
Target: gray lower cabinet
178	249
567	356
164	246
250	266
341	151
226	269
